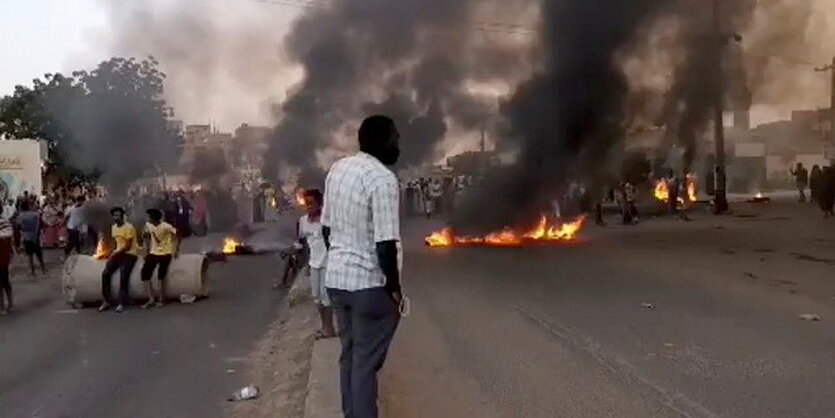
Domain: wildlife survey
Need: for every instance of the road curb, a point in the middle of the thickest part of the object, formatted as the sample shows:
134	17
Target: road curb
323	398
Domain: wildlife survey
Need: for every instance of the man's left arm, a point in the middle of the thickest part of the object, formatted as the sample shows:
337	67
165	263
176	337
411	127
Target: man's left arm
385	212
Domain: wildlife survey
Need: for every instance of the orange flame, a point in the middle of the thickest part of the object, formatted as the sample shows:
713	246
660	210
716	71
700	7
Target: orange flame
692	193
102	250
545	231
230	246
662	190
300	197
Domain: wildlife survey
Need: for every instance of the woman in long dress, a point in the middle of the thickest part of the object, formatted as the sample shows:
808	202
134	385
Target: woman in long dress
52	219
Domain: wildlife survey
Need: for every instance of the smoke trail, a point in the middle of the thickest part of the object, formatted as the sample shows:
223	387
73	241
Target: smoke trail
411	59
565	119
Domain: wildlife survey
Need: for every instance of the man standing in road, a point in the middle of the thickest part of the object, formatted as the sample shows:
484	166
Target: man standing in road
6	251
362	230
801	180
29	222
122	259
311	234
164	247
75	222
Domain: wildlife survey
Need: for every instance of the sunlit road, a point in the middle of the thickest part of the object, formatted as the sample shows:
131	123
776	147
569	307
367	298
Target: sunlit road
178	361
551	332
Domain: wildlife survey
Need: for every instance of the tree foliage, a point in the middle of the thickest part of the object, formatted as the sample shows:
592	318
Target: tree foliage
111	122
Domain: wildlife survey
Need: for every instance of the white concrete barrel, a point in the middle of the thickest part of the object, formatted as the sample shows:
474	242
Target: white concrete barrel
81	279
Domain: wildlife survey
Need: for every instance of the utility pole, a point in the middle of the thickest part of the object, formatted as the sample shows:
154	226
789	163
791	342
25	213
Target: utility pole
720	198
831	69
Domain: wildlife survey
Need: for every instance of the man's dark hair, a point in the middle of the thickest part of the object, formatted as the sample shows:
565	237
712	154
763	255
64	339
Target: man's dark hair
154	214
314	194
80	199
374	132
117	209
24	205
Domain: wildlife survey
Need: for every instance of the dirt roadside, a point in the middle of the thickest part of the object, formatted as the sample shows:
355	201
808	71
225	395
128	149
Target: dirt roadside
280	366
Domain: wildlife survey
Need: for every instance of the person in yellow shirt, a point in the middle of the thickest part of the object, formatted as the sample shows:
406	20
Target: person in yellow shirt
163	247
123	258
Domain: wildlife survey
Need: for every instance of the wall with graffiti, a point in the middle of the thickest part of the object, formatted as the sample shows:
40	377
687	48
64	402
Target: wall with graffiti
20	168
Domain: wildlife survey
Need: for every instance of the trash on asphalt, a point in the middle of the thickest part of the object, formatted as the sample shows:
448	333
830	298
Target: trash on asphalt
647	305
187	298
809	317
246	393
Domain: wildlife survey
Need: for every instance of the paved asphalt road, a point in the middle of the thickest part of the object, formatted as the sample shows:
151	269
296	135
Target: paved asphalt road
561	331
178	361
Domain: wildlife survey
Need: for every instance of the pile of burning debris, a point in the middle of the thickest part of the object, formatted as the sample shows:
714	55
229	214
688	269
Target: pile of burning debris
662	191
232	247
547	230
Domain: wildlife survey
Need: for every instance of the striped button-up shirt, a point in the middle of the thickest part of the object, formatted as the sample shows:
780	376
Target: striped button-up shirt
361	209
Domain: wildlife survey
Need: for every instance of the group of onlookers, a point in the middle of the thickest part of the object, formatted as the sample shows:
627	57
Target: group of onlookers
821	184
433	196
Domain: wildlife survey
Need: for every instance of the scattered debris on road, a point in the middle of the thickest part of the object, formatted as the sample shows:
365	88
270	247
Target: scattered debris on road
647	305
246	393
187	298
809	317
752	276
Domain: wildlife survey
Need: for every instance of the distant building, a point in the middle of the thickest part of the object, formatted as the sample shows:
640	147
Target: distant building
473	162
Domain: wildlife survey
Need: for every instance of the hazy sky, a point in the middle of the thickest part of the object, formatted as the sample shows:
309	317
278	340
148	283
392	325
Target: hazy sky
41	36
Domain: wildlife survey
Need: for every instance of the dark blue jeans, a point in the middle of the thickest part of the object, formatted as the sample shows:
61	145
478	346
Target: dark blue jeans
367	320
123	263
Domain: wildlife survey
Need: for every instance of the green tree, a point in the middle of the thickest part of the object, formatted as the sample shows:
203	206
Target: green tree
111	122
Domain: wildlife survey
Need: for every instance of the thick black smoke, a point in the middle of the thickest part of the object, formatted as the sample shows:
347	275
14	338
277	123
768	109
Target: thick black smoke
565	119
409	59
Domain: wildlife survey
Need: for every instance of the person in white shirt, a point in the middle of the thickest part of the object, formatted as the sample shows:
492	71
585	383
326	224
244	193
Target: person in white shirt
362	232
75	223
312	235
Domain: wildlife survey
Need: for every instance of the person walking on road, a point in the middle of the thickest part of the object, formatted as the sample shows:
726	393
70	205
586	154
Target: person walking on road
362	232
312	235
75	221
164	247
6	251
29	222
815	183
827	191
122	259
801	180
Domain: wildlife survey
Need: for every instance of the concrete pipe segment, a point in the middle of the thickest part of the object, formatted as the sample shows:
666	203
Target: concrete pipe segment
81	279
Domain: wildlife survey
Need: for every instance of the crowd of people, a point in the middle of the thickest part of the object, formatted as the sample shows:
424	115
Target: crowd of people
433	196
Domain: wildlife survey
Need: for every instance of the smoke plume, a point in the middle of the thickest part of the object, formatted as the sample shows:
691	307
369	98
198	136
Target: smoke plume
410	59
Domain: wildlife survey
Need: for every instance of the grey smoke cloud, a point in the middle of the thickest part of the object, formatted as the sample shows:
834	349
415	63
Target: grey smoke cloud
410	59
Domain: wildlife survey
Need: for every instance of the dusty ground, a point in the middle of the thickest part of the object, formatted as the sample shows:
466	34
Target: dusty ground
280	365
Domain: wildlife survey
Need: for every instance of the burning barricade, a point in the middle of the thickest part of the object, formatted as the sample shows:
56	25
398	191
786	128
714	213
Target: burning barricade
662	191
547	230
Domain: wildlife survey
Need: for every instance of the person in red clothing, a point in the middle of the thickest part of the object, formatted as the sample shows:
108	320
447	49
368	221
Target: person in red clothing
6	250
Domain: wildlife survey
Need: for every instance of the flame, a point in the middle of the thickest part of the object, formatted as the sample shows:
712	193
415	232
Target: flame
102	250
230	246
691	188
759	195
300	197
273	203
545	231
662	190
